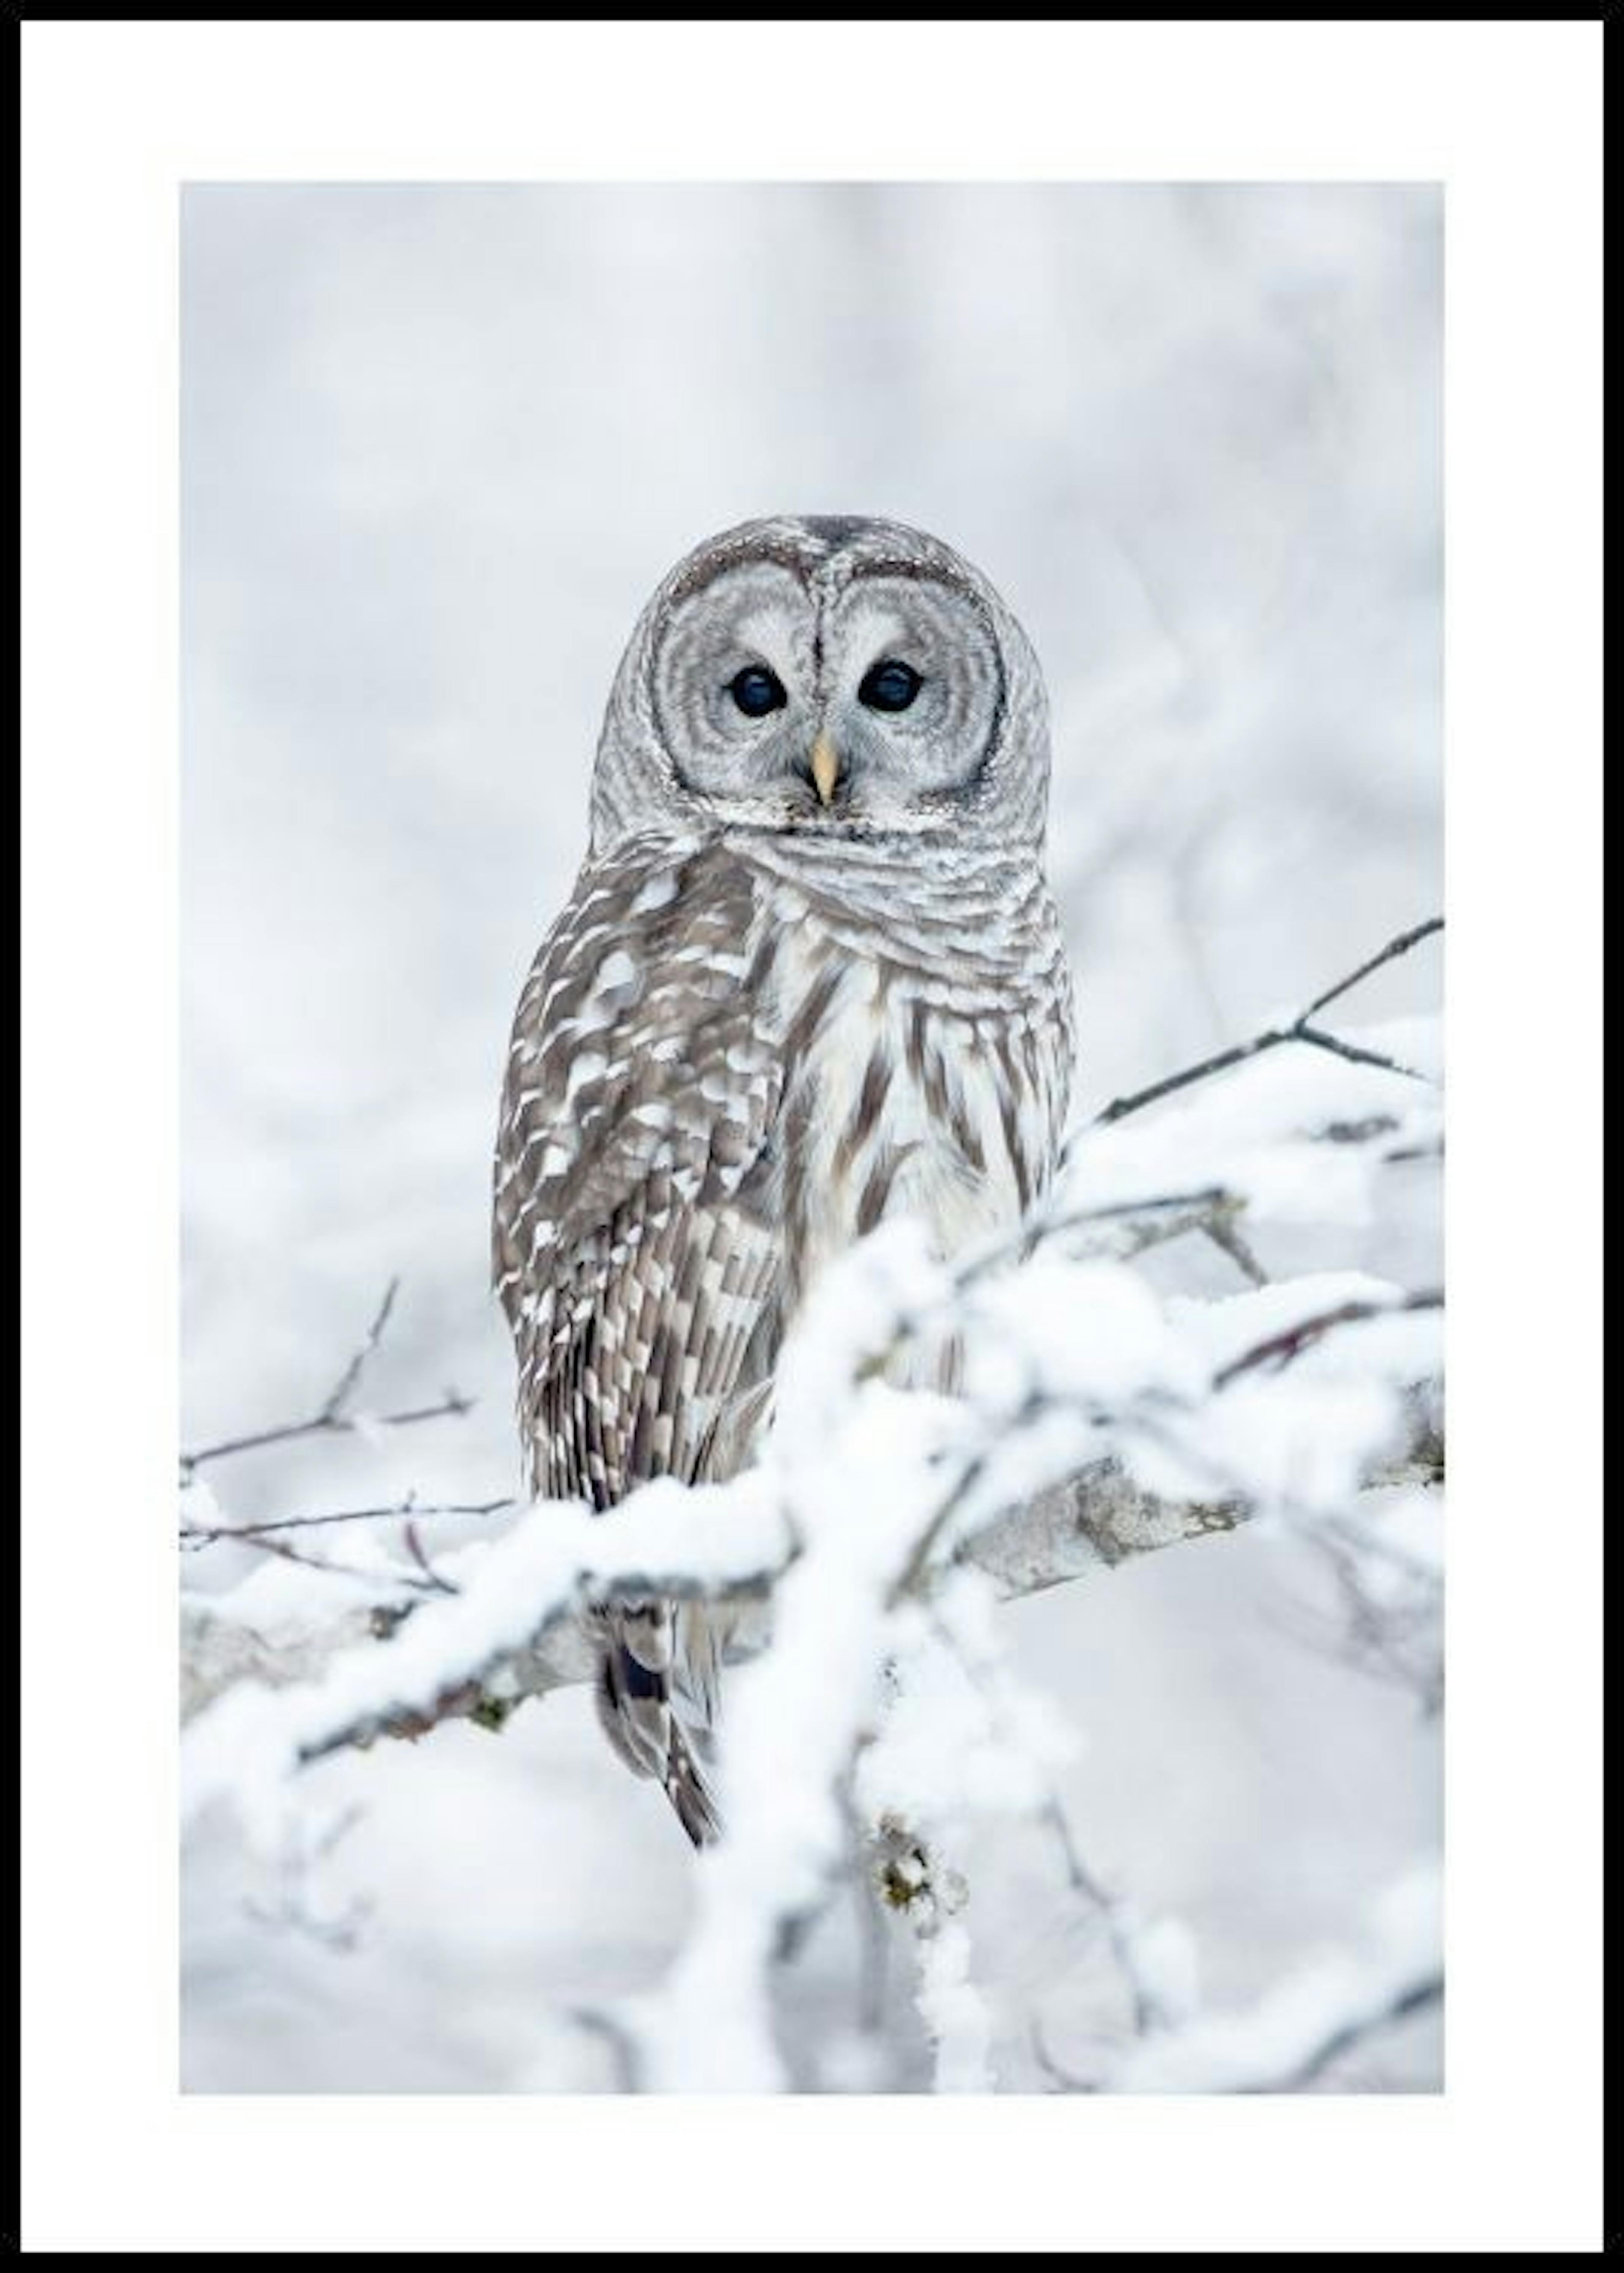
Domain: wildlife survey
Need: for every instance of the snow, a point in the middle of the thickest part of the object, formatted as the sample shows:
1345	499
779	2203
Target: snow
1064	1358
1399	1956
856	1482
1263	1136
955	2011
248	1744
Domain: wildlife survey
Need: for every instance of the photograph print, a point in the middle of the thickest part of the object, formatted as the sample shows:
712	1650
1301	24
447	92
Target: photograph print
811	1438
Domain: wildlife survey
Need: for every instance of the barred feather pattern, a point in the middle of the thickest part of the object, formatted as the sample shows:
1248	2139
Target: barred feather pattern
738	1051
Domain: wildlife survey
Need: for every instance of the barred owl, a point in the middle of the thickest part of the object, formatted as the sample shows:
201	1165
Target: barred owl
809	976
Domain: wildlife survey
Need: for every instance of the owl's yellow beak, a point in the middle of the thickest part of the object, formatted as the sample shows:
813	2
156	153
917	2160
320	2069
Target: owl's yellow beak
824	770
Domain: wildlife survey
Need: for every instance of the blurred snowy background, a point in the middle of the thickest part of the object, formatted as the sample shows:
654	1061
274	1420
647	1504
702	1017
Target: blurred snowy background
438	445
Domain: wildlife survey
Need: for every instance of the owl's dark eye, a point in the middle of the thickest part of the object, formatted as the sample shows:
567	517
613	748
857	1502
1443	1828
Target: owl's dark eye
757	690
890	685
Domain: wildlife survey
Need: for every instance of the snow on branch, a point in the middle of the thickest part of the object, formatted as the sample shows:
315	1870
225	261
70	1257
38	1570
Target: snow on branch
474	1645
1314	2016
1091	1521
888	1490
1093	1419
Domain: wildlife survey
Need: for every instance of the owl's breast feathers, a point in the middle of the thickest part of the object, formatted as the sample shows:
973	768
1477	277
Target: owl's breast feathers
726	1066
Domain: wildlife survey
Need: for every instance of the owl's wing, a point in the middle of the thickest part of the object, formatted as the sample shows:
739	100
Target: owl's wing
633	1249
635	1242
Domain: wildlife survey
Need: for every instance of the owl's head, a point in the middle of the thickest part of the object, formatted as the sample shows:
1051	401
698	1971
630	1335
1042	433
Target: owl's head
845	676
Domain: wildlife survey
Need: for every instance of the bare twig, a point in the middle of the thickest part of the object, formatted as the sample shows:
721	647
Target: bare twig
1281	1348
1147	1222
1130	1228
1300	1030
1148	2010
415	1549
1221	1229
341	1388
1396	1638
294	1911
279	1548
208	1535
1395	948
1355	1054
968	1476
333	1417
452	1403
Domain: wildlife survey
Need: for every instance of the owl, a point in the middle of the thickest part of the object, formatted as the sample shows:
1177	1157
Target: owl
810	977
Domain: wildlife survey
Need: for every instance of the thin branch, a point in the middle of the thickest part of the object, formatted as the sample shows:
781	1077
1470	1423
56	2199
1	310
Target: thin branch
968	1476
1433	1152
293	1910
340	1393
1281	1348
1153	1222
1120	1107
1225	1234
1353	1051
333	1416
1300	1030
1421	1996
452	1403
1414	1997
415	1549
1148	2009
208	1535
1397	1637
1390	953
432	1584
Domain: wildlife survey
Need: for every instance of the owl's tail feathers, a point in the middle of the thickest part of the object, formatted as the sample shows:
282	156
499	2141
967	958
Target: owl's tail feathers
657	1699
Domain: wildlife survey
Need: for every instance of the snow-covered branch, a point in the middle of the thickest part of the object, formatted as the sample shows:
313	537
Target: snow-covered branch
1314	2016
267	1632
491	1633
1094	1419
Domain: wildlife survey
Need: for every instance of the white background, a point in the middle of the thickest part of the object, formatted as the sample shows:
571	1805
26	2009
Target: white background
101	486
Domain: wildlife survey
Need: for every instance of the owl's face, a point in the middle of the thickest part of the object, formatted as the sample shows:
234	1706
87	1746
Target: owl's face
781	701
822	675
